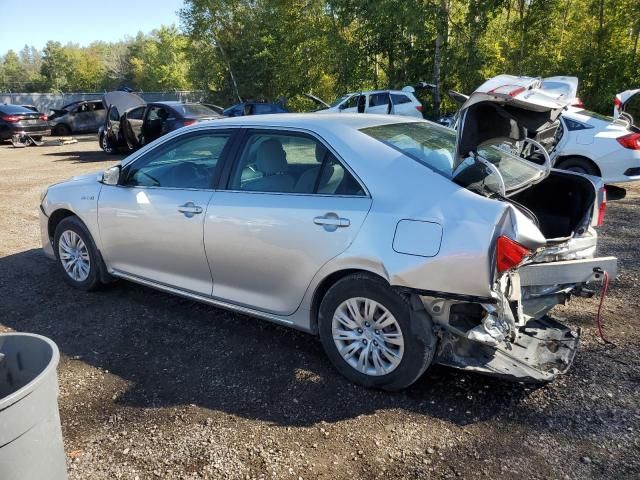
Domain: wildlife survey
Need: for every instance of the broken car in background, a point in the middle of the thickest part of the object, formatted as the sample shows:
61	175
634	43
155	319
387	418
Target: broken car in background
85	116
132	123
582	141
387	102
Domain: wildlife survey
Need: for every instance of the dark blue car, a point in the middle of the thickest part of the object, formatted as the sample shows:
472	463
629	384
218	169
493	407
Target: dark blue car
253	108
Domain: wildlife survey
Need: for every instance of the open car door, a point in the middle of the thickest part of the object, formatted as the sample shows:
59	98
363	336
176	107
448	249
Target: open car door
627	107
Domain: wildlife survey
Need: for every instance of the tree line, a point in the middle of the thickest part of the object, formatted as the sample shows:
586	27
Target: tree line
265	49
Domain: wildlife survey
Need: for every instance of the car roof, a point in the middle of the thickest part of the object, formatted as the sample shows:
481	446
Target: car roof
313	121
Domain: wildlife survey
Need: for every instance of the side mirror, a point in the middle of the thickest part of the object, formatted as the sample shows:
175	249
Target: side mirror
111	176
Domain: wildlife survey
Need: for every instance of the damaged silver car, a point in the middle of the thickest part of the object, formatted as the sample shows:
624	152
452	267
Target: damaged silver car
398	242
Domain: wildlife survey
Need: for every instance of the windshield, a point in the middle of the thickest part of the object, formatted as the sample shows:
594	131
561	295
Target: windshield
340	100
435	146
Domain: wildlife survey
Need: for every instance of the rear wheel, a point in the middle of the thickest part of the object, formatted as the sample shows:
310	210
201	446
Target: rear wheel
579	165
77	255
368	333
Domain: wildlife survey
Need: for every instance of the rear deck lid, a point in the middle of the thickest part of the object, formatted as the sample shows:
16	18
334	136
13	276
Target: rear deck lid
123	101
506	109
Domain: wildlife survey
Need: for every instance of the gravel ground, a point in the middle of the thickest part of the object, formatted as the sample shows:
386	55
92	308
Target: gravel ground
154	386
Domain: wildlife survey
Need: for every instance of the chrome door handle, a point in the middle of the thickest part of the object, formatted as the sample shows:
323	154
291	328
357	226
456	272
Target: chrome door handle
189	209
331	221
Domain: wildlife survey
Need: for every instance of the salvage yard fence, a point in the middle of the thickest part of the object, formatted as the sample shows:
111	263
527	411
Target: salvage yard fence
48	101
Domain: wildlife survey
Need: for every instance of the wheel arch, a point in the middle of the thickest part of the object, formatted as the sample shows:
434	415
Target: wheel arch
564	158
326	283
56	217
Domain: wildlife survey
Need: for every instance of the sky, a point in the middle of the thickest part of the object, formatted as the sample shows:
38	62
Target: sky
80	21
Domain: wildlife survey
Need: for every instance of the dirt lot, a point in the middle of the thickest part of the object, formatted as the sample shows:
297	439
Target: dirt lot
154	386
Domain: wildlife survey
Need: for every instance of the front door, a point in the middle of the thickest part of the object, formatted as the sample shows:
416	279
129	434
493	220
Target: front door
290	207
151	224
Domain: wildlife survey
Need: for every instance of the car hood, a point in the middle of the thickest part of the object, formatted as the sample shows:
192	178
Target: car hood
123	101
506	109
317	100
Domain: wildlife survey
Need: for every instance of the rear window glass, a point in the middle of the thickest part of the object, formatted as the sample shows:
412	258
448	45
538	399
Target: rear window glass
194	110
589	113
434	146
14	109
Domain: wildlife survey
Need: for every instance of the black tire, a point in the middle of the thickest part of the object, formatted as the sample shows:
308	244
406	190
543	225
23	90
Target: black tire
61	130
106	145
578	165
416	329
75	225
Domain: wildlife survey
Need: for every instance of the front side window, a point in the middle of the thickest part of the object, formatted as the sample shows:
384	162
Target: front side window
185	162
113	114
290	163
352	102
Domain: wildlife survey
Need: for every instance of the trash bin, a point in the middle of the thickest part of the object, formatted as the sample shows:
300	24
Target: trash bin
30	436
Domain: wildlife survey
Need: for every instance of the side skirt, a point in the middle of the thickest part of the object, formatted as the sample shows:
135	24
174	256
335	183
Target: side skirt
208	300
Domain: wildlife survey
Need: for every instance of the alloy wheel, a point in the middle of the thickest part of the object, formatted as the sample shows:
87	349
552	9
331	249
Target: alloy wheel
74	256
367	336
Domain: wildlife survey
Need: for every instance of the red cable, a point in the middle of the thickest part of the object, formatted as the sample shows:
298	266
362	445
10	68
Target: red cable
603	294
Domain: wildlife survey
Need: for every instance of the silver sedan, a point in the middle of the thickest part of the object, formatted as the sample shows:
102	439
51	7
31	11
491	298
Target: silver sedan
372	232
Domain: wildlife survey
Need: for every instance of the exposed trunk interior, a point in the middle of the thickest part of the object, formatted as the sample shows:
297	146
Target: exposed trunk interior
562	203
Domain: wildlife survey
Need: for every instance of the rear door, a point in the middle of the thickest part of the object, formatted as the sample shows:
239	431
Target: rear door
289	206
379	103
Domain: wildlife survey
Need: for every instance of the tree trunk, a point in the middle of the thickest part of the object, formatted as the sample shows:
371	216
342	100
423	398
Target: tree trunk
442	27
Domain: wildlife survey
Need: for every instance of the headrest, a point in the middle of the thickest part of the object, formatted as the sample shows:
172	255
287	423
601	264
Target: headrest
271	157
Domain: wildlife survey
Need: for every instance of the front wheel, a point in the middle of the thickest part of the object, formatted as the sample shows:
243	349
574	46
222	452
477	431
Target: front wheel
76	254
370	335
106	145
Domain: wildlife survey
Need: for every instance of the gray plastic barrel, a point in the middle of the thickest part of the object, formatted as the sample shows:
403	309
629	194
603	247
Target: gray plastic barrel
31	445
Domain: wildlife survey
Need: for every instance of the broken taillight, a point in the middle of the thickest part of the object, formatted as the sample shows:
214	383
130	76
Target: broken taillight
630	141
509	253
42	116
602	207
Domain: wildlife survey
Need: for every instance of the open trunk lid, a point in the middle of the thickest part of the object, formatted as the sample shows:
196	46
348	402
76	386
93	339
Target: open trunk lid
123	101
621	106
507	109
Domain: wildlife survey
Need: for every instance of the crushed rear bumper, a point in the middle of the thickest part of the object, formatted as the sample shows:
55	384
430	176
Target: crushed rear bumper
542	350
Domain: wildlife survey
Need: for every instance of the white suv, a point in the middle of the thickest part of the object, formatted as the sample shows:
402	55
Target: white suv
385	102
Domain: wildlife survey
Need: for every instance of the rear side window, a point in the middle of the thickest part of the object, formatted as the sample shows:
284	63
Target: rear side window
398	99
290	163
377	99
